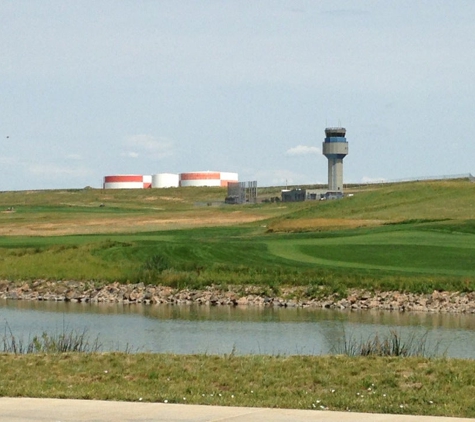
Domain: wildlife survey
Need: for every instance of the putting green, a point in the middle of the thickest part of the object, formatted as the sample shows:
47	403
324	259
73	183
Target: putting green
401	251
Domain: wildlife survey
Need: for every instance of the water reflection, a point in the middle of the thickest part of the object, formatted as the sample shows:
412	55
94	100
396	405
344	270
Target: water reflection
244	330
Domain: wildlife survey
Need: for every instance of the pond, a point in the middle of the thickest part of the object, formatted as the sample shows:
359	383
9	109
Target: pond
240	330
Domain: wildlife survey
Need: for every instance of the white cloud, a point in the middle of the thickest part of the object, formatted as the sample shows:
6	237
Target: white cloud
130	154
303	150
151	146
74	157
49	170
8	161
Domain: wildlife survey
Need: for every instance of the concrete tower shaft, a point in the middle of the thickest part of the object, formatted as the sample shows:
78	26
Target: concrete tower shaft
335	148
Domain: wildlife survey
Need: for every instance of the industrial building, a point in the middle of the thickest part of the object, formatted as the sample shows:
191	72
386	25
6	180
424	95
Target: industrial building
169	180
293	195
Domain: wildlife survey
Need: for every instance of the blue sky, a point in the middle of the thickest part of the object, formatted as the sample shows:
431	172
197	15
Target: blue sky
92	88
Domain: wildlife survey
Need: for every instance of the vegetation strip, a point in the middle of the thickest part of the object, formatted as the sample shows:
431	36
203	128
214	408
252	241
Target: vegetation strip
421	386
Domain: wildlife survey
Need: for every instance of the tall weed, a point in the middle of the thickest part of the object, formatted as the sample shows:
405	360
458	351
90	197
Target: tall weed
64	342
392	344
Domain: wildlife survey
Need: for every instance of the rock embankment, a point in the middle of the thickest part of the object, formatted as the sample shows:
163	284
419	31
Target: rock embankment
89	292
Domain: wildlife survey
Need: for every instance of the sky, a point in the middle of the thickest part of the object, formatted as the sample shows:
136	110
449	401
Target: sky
96	87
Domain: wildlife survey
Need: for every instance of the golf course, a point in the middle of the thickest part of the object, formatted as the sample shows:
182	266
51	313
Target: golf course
416	237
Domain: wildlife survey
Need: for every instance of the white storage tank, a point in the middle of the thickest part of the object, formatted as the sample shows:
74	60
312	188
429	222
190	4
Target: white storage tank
200	178
124	181
207	178
147	181
227	178
165	180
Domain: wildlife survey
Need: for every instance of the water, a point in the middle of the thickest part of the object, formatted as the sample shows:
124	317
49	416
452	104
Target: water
224	330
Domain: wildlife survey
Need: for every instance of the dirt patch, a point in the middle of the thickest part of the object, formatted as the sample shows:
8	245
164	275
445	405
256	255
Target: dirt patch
171	198
124	224
315	224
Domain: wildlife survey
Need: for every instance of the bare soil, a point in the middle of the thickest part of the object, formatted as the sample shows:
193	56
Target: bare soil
304	224
124	224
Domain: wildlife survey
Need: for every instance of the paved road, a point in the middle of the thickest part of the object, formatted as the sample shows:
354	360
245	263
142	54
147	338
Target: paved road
57	410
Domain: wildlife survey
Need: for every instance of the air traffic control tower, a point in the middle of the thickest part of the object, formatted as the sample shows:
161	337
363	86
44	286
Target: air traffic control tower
335	148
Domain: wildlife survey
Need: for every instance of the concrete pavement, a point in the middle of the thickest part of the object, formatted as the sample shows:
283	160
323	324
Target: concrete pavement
58	410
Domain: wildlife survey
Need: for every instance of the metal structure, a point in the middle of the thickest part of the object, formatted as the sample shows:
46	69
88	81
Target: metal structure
251	192
335	148
242	192
468	176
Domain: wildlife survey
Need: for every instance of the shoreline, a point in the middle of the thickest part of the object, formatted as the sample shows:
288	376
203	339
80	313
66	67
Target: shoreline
243	295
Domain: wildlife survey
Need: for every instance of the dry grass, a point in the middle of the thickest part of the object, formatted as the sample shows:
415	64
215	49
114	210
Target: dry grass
127	224
417	386
320	224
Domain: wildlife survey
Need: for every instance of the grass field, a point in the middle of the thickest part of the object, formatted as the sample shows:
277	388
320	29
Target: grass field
413	236
371	384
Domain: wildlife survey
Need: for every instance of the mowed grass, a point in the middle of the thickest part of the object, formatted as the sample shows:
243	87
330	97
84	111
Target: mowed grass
405	245
386	258
418	386
414	249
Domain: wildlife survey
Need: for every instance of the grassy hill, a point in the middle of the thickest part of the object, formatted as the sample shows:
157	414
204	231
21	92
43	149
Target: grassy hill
416	236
